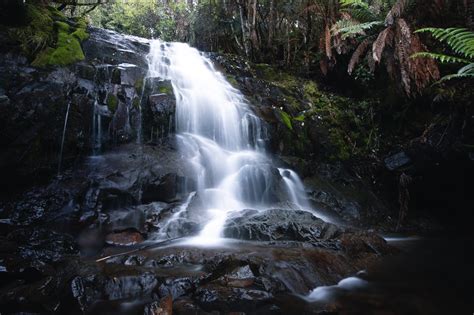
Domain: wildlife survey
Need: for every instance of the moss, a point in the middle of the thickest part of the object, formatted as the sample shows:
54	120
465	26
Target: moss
340	147
56	14
231	79
116	76
139	86
38	33
165	89
80	34
112	102
67	50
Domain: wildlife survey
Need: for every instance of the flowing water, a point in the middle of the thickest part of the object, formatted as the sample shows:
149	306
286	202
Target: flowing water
222	139
63	138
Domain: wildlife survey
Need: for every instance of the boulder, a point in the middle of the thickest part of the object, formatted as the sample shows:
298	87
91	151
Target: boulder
125	238
279	225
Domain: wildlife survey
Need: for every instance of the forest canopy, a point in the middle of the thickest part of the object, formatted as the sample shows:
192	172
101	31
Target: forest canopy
363	37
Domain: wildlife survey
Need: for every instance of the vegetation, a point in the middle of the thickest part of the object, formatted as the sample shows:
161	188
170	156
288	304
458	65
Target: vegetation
461	42
48	37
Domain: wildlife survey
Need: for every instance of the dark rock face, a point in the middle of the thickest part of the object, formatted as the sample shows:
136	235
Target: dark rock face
52	235
279	225
397	161
107	94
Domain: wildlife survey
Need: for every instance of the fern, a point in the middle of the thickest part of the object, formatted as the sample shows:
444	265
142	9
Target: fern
357	29
440	57
460	40
359	10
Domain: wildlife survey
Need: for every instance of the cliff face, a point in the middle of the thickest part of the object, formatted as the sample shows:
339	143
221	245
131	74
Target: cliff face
107	101
102	94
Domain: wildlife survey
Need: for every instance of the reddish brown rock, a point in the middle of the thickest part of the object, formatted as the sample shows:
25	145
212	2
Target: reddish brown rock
126	238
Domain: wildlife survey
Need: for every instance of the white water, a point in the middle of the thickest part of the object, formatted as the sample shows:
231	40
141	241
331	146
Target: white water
63	138
221	138
325	293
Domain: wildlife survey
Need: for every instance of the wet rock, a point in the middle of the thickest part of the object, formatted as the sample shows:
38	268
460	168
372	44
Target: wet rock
186	305
125	238
91	241
164	189
130	286
86	291
227	300
241	277
113	48
126	219
175	288
277	224
397	161
164	307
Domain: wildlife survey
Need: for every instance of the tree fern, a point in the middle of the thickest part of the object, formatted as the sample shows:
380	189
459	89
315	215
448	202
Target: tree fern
440	57
461	41
359	10
351	29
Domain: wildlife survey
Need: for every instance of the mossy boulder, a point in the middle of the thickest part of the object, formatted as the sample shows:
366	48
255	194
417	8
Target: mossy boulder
49	38
67	49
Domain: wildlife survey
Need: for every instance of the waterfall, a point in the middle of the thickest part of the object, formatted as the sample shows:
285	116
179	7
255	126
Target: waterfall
221	138
63	138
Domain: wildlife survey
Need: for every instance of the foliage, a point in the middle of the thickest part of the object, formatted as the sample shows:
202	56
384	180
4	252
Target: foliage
48	38
67	48
145	18
389	31
38	33
461	42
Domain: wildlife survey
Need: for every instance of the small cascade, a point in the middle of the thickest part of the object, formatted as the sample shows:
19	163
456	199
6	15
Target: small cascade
63	139
295	188
222	139
163	234
140	115
96	129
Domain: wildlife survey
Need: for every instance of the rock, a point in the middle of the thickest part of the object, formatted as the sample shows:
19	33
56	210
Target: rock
397	161
125	238
175	288
280	225
126	219
227	300
164	189
164	307
140	286
241	277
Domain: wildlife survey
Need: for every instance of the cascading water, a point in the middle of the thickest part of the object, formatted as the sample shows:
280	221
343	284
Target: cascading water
221	138
63	138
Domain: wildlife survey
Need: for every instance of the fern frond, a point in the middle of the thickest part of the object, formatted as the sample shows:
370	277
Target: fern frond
460	40
385	37
354	3
357	29
440	57
463	73
359	10
357	55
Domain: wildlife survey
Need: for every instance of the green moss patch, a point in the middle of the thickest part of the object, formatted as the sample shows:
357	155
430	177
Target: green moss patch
165	89
50	38
112	102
